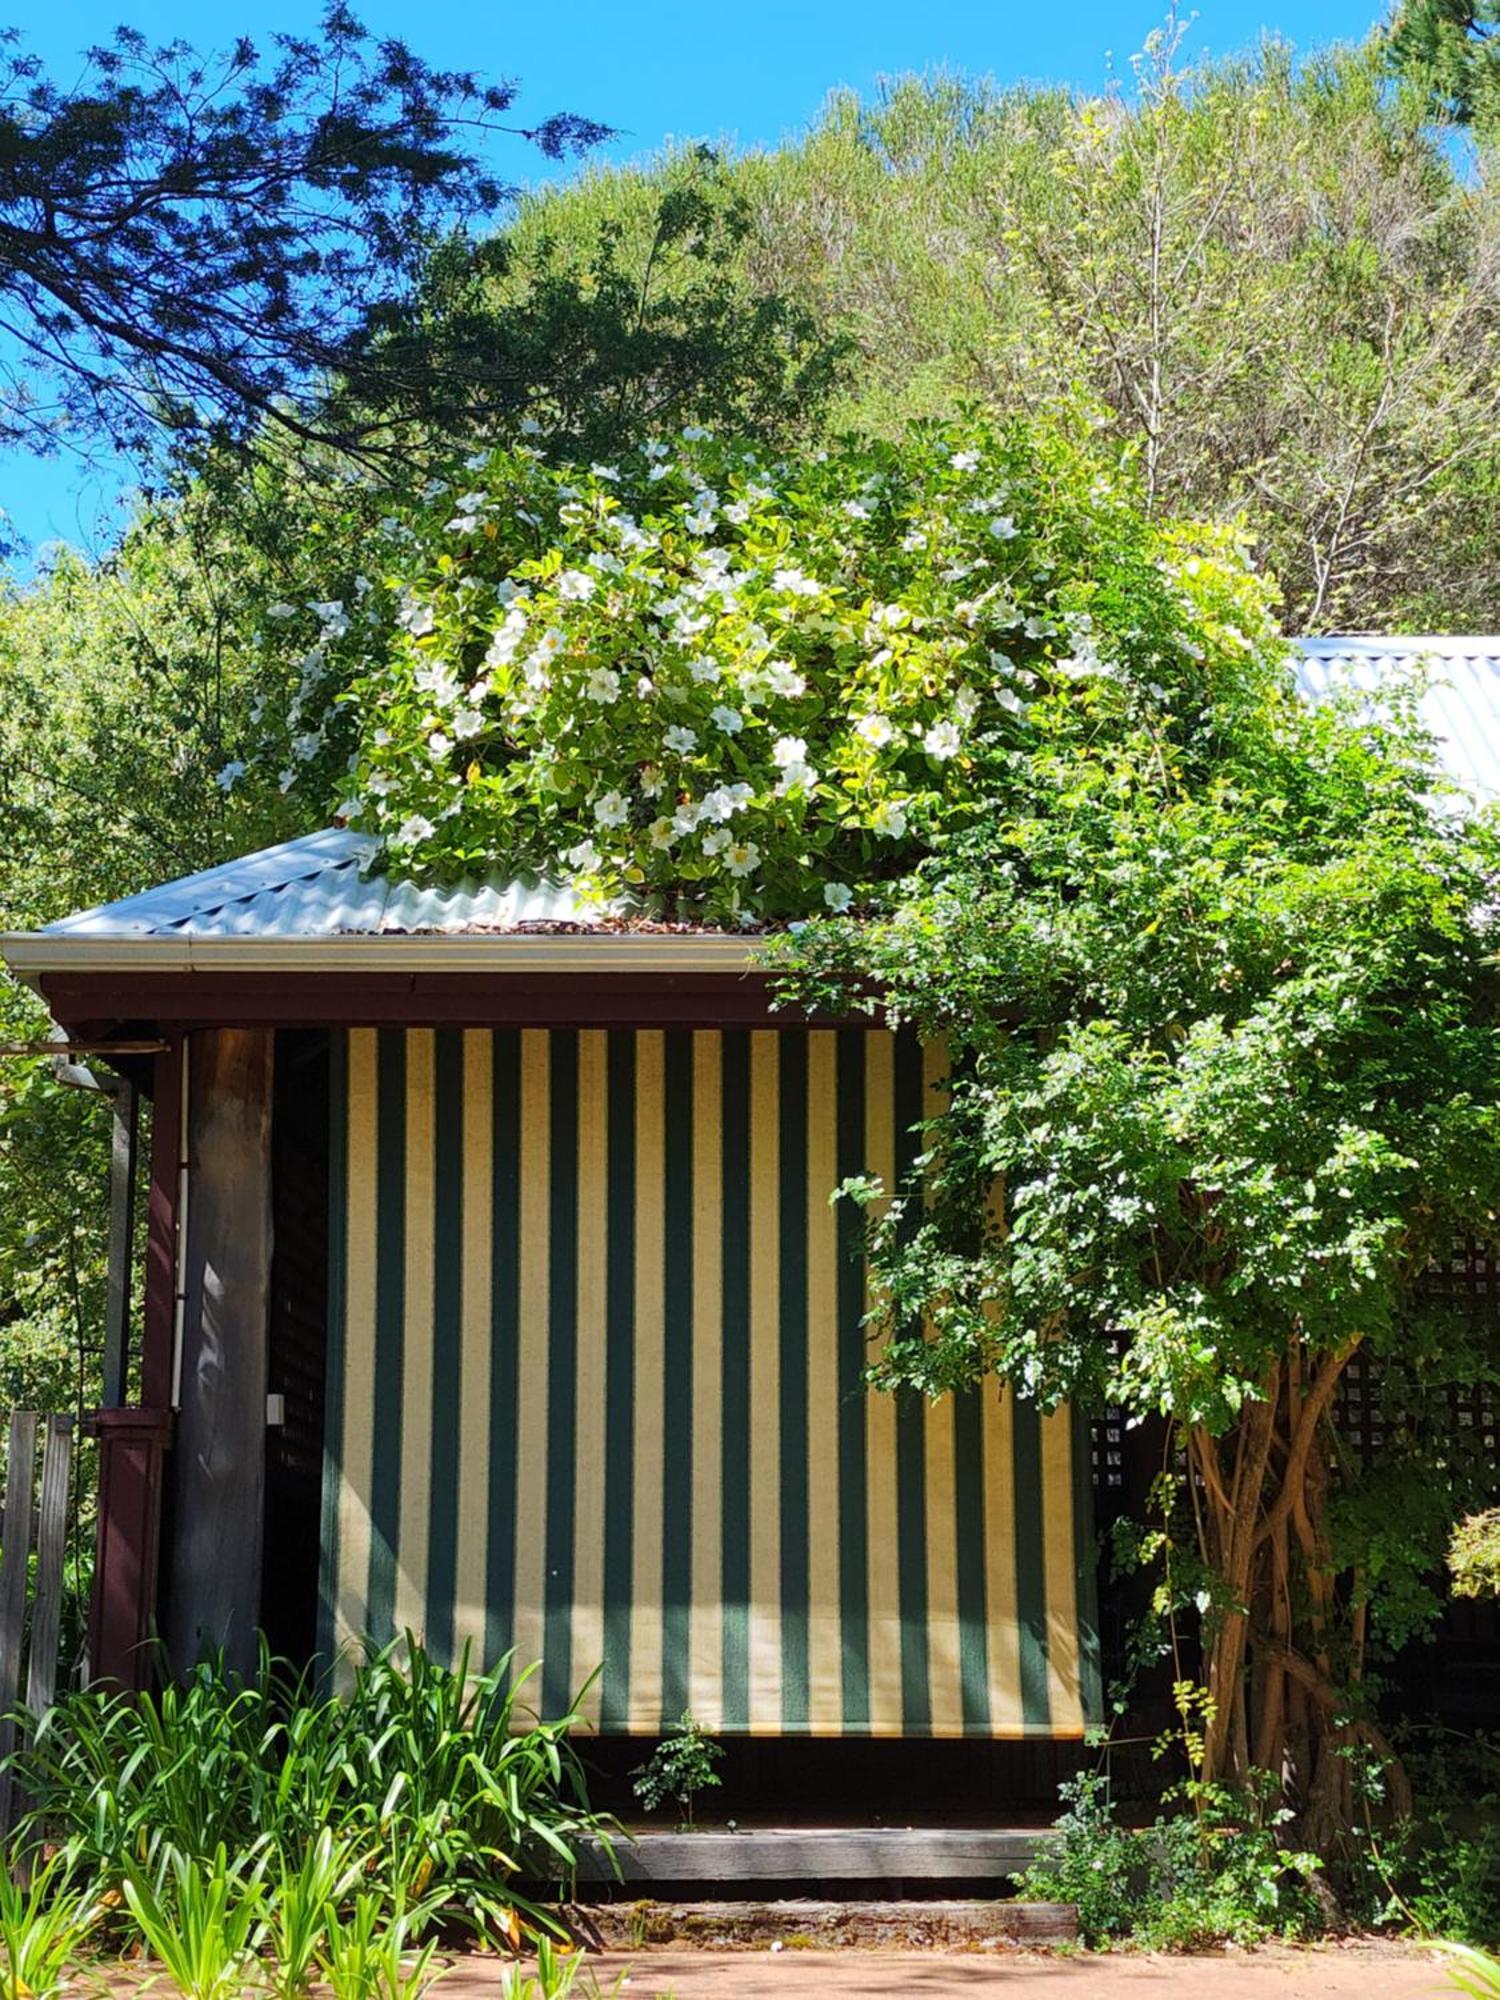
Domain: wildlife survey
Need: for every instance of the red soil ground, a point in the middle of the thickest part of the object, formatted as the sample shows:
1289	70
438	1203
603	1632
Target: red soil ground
1331	1972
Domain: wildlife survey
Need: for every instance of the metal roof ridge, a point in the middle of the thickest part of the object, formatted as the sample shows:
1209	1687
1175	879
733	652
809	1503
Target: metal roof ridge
1401	645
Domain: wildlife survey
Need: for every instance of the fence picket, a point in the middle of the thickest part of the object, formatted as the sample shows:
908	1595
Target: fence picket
51	1546
15	1554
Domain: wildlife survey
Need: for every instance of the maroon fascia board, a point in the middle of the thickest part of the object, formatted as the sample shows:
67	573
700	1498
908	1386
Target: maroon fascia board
101	1002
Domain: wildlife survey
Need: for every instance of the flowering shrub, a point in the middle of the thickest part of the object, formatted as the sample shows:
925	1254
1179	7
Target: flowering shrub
744	692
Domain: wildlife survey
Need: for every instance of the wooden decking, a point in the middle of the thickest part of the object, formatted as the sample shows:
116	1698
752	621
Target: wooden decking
817	1854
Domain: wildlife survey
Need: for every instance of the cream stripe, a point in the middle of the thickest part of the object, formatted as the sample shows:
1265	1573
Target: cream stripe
886	1714
1059	1575
356	1452
474	1333
825	1624
705	1677
765	1384
944	1668
588	1478
1006	1718
417	1336
531	1388
650	1381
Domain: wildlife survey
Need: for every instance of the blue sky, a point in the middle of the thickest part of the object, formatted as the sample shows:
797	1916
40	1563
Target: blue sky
664	69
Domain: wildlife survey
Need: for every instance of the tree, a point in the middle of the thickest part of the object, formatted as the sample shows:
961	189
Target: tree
197	240
1277	279
633	321
1450	48
1218	987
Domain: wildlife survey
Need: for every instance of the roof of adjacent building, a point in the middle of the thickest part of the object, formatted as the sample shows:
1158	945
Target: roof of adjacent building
278	904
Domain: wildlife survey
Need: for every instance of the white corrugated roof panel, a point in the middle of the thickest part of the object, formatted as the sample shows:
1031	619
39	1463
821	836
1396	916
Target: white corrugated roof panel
1460	705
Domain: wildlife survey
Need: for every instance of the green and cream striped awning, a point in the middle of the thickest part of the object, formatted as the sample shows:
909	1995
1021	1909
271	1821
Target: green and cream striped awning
595	1395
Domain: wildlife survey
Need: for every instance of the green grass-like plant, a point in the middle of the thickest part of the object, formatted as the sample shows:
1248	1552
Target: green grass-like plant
204	1921
304	1890
1473	1971
439	1780
372	1955
45	1916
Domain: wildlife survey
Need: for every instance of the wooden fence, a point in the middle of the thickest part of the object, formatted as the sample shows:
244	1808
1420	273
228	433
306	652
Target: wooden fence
31	1595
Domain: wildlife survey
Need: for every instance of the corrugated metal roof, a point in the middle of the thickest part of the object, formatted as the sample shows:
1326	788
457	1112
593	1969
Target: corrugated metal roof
320	887
1461	705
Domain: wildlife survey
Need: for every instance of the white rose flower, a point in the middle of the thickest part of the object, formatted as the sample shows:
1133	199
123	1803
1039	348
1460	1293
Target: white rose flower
467	722
728	719
797	775
716	840
603	684
415	617
695	433
530	427
663	833
417	827
781	677
889	819
611	810
683	740
1003	528
282	610
584	857
705	668
305	748
876	730
795	584
914	541
964	461
575	586
942	741
742	858
439	745
838	896
230	775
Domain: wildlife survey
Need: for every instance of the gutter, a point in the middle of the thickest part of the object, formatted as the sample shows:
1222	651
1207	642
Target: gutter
32	954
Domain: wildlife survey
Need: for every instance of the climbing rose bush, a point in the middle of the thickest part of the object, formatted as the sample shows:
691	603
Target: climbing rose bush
735	691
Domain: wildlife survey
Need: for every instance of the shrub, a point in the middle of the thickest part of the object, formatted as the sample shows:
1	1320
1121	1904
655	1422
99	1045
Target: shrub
681	1765
1212	1872
442	1802
44	1918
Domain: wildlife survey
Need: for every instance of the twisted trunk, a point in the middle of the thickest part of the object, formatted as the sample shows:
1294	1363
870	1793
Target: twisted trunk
1279	1640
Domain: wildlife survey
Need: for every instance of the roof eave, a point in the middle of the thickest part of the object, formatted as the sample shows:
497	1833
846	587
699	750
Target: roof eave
32	955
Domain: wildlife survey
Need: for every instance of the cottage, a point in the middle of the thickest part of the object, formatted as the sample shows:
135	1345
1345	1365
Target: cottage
492	1290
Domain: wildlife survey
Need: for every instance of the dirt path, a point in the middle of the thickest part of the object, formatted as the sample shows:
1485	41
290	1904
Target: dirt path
1354	1972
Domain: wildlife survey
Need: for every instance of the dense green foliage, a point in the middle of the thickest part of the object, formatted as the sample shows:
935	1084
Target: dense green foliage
435	1803
748	689
1215	1872
1451	48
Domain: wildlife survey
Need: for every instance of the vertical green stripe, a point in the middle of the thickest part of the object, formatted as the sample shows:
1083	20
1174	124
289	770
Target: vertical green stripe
854	1568
619	1391
334	1366
677	1404
736	1389
911	1454
792	1329
968	1527
390	1307
447	1344
1031	1574
1086	1561
505	1314
562	1374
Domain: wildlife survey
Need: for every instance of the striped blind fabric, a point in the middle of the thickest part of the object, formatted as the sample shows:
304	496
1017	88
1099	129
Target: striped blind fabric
594	1395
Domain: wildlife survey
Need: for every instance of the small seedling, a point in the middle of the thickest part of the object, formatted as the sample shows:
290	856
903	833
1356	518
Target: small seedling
681	1765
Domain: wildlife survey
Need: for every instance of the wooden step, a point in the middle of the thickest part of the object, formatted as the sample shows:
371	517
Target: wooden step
817	1854
807	1924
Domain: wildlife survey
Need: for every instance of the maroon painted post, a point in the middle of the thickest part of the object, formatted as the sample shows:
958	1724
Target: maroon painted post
127	1549
133	1442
